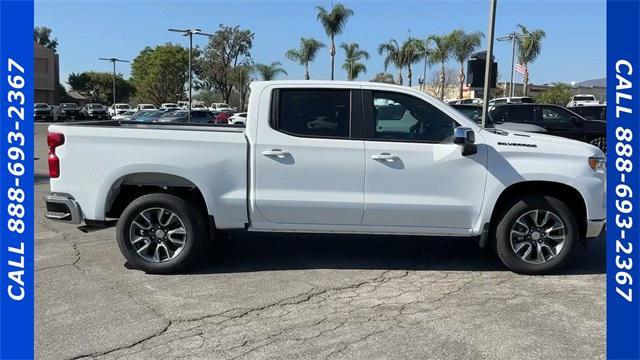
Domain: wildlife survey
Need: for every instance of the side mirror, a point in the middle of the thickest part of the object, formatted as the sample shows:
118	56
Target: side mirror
466	137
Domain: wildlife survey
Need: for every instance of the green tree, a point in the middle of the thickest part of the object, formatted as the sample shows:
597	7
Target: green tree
412	51
305	54
392	56
333	23
353	54
440	55
227	49
241	78
385	78
98	86
463	45
558	94
42	35
528	50
160	73
268	72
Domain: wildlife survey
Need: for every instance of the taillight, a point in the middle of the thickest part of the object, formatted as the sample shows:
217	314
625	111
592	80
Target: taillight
54	140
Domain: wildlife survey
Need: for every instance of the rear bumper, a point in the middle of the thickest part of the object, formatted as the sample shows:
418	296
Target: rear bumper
63	208
595	228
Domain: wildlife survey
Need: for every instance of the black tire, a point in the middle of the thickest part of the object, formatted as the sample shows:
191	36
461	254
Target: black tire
600	142
194	239
519	208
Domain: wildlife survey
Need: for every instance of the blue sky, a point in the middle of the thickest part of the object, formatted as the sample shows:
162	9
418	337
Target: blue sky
573	50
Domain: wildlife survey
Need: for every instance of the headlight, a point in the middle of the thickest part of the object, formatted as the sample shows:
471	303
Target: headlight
598	164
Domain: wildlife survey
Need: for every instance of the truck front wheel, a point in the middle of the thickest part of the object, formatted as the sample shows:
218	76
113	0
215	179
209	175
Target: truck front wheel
160	233
536	235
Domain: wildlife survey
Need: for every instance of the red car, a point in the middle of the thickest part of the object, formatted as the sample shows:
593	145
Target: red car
223	117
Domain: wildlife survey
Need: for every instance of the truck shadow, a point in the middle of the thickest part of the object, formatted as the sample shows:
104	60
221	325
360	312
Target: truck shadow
250	252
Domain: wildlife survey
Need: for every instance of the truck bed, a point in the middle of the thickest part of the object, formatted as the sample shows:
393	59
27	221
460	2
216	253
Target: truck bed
99	158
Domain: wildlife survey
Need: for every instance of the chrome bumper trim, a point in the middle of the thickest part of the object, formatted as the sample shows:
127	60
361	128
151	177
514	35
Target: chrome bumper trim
71	215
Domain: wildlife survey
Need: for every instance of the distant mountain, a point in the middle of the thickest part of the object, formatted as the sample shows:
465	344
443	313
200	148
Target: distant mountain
595	82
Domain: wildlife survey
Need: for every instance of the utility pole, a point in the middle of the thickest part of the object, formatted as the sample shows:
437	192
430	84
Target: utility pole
488	61
190	33
113	61
512	37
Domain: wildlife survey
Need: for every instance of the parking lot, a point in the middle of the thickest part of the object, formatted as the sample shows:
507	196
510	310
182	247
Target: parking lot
311	297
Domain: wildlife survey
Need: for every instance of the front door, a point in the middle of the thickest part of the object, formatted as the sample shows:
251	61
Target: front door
308	167
415	175
560	122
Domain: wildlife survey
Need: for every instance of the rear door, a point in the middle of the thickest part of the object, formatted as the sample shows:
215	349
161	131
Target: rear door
309	158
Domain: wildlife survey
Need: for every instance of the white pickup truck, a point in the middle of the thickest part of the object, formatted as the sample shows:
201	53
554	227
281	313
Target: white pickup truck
329	157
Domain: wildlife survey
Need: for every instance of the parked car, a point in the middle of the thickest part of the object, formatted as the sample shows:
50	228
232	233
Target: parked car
117	109
166	106
238	118
198	106
471	101
591	112
556	120
428	170
217	107
182	104
582	100
474	112
125	116
42	111
222	117
181	116
512	100
95	111
69	111
146	107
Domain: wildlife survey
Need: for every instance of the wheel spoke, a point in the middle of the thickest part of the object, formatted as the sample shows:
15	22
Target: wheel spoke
539	254
163	232
143	247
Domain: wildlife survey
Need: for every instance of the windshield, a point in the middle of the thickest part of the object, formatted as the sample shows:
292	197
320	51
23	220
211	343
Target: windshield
147	106
41	106
95	106
583	98
69	106
123	106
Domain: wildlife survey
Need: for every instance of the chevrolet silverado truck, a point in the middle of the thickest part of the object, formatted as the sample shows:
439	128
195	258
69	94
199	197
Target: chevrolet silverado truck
328	157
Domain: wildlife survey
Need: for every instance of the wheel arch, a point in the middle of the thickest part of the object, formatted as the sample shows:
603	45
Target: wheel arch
567	194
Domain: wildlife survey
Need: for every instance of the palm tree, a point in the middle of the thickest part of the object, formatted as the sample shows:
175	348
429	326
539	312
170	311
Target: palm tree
271	71
463	45
305	54
412	51
393	56
440	54
353	54
333	23
528	50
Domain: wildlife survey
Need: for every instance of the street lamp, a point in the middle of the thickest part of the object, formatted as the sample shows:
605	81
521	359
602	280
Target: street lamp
190	33
113	61
512	37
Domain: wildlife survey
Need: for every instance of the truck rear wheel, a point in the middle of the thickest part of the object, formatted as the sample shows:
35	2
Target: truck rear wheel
160	233
536	235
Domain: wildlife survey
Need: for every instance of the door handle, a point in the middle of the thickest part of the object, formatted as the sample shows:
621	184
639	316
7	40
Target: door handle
275	152
384	156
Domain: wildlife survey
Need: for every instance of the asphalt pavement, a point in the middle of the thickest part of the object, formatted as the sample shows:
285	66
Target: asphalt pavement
296	296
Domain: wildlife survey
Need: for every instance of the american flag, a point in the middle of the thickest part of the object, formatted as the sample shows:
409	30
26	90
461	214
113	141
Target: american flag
522	69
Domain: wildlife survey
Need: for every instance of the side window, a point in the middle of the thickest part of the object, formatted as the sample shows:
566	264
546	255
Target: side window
521	114
313	112
555	118
403	117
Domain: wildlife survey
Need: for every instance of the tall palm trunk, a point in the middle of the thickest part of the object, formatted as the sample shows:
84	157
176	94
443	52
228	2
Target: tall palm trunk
525	81
400	77
461	79
333	57
306	71
442	81
409	74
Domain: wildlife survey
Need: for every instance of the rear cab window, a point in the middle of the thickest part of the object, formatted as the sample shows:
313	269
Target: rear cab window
324	113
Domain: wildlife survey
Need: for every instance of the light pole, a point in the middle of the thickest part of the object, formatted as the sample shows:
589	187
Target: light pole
113	61
512	37
190	33
488	61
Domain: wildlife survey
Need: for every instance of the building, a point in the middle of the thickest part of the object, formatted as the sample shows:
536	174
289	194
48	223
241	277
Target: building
46	75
